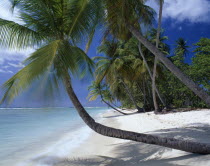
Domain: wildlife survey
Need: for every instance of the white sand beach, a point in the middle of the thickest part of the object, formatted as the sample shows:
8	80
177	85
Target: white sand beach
98	150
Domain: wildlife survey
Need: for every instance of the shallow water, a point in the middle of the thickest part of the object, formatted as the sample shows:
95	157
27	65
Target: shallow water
30	136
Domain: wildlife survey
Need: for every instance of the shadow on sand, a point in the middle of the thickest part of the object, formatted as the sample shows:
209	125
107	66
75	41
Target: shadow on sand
139	154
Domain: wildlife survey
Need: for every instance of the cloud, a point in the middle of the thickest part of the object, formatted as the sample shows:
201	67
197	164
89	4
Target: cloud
6	12
180	28
5	71
193	11
6	56
16	65
17	56
5	67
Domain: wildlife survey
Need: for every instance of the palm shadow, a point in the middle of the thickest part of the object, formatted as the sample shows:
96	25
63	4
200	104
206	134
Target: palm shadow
138	154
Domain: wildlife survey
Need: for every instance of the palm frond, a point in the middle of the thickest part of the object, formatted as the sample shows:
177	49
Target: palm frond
37	64
18	36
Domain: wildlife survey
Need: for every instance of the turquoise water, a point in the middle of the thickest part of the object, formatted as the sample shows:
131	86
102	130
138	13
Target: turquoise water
29	136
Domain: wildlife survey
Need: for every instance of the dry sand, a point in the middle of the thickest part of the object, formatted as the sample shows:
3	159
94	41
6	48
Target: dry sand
103	151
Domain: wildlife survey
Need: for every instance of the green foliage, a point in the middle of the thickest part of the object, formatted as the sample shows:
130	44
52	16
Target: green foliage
122	62
53	28
175	93
200	69
120	12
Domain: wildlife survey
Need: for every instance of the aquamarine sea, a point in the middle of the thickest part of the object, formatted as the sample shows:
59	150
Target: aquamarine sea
30	136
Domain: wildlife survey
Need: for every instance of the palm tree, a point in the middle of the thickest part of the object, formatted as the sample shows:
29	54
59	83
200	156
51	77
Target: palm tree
131	51
113	67
98	90
181	47
162	46
180	53
150	73
151	35
55	29
124	14
156	59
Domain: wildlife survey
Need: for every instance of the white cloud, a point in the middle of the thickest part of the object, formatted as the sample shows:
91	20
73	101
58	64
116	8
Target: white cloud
16	65
5	71
185	10
10	55
17	56
6	12
5	67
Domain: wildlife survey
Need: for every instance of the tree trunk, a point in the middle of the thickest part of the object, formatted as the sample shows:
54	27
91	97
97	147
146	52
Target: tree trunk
154	85
175	70
131	97
156	58
116	105
113	107
102	98
150	73
187	146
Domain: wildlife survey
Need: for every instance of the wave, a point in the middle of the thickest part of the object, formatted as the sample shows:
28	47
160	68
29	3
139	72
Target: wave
60	149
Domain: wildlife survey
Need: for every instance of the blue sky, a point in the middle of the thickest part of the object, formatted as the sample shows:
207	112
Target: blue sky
189	19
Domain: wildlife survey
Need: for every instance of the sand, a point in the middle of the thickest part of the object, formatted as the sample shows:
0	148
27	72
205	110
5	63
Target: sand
98	150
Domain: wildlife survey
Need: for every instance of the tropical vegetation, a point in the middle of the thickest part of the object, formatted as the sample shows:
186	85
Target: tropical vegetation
55	28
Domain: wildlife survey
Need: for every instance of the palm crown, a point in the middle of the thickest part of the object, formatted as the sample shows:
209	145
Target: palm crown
54	28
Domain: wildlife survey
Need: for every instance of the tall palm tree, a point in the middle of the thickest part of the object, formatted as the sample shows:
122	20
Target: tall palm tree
113	67
151	35
150	73
119	29
53	29
131	51
124	14
156	59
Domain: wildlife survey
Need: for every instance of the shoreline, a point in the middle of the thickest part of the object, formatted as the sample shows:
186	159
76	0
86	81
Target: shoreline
99	150
36	141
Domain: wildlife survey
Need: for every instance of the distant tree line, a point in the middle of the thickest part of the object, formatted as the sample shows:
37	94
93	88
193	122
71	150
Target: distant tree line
124	76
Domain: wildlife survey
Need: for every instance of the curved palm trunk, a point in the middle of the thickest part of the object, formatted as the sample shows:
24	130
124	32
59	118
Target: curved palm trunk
118	106
150	73
131	97
188	146
113	107
175	70
156	58
102	98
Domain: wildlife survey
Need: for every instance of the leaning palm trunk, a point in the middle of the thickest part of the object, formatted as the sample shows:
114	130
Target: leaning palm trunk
156	58
175	70
116	106
102	98
150	73
187	146
113	107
